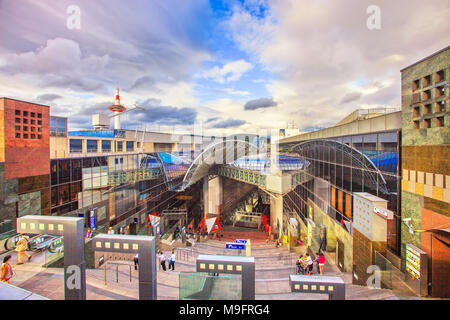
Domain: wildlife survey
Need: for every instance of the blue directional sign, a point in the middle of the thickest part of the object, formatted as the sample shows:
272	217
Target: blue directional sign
235	246
241	241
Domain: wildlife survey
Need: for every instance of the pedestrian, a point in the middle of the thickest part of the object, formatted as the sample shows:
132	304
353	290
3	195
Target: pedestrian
22	247
6	270
162	260
172	261
136	261
321	261
310	264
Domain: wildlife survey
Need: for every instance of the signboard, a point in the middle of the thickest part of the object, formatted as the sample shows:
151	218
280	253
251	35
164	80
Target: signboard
92	219
241	241
413	262
235	246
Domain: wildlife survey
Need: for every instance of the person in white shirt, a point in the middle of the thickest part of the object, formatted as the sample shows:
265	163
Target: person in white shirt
172	261
162	260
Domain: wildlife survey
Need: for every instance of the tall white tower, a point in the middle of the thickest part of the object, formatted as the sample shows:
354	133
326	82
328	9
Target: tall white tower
117	108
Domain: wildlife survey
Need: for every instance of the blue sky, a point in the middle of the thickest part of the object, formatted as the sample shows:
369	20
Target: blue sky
247	64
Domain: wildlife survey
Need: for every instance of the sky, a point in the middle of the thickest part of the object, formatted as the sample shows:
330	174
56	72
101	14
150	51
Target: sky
235	66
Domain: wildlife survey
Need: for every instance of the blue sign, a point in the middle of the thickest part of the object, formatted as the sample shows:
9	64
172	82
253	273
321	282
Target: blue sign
241	241
92	219
235	246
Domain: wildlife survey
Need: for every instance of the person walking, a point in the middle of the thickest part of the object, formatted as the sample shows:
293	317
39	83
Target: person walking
6	270
162	260
321	261
172	261
310	264
22	247
136	261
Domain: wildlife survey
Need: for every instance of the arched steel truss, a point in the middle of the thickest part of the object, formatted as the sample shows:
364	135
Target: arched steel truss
351	157
223	152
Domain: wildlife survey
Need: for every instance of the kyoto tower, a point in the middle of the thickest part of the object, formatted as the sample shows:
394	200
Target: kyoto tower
117	108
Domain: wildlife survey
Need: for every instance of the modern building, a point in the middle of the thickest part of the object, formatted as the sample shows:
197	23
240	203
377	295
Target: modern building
360	154
426	166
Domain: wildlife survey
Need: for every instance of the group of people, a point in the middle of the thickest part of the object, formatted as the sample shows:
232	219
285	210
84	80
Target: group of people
162	260
6	271
305	264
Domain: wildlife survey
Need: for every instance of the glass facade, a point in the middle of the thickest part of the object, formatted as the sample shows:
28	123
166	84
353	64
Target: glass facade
359	163
58	126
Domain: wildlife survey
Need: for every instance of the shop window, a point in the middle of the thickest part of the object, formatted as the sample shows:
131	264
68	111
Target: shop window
348	206
340	201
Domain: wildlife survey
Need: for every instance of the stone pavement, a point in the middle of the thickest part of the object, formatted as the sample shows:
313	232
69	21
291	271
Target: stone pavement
272	278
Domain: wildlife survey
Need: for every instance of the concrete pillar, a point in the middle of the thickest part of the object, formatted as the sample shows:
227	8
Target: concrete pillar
205	196
276	213
215	194
117	120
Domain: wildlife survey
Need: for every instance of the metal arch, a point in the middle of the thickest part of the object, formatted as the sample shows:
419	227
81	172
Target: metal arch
203	162
371	165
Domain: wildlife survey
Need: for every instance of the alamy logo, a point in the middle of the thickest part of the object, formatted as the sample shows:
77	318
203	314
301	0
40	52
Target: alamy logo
374	20
374	281
73	280
74	20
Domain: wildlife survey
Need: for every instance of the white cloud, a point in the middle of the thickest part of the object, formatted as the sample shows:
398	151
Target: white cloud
231	71
319	50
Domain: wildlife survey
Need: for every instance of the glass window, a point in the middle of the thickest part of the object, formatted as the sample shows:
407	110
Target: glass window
119	146
92	145
75	145
18	135
17	120
25	113
39	115
17	112
32	114
130	145
106	145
